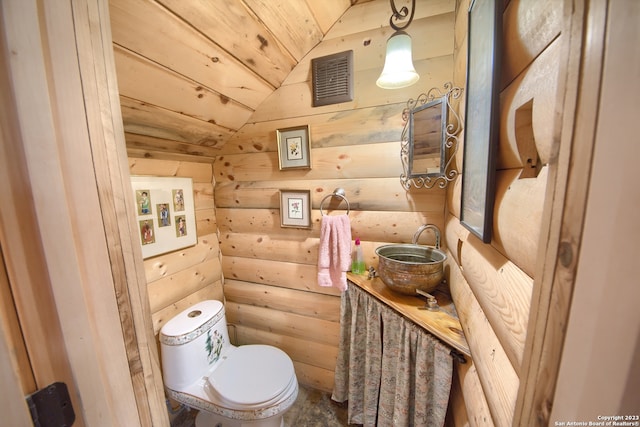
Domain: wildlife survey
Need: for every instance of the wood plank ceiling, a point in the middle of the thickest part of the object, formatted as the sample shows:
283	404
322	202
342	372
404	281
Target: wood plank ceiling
191	73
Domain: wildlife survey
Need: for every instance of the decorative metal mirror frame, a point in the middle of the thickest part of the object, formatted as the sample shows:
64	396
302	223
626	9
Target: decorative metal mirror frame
449	144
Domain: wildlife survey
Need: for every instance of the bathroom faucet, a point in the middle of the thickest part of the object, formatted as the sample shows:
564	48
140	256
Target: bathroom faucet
435	229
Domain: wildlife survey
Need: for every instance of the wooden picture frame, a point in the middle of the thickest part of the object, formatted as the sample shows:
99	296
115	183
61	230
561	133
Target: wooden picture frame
294	148
482	114
295	208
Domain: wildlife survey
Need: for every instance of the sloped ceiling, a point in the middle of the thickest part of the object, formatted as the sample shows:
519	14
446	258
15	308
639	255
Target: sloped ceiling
191	73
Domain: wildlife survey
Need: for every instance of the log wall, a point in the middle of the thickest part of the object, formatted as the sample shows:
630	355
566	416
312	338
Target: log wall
270	272
491	284
181	278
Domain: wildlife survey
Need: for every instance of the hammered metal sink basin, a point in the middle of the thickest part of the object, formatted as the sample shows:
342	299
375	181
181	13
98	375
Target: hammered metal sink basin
407	267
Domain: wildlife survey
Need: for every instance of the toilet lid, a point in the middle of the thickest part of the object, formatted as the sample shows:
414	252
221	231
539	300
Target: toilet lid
252	374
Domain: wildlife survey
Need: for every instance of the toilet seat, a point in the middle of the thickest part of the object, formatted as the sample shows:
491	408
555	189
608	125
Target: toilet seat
252	376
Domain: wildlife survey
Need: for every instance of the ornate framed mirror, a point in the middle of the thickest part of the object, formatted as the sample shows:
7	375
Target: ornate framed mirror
429	139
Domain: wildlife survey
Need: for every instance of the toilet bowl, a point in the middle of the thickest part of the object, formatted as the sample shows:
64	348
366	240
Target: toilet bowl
249	385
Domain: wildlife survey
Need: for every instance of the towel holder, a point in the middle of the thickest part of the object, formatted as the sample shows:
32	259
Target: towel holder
338	192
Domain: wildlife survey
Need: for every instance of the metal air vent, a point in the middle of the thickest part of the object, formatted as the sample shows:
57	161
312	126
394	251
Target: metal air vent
332	78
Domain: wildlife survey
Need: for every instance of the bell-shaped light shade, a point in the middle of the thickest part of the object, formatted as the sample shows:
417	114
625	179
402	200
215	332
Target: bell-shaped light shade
398	68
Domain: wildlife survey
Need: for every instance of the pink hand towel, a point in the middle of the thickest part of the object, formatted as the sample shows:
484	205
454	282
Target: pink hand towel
334	252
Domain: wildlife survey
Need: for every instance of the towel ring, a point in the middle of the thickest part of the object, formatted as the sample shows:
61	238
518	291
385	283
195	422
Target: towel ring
338	192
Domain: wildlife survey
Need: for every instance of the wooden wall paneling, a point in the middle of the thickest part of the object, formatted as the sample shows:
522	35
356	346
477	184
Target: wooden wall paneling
457	411
305	351
454	236
315	377
528	28
156	148
366	16
326	163
295	250
160	266
150	120
283	323
244	220
164	265
517	216
14	408
321	306
498	378
538	82
220	22
203	196
142	79
454	194
327	13
276	273
175	287
437	29
154	32
391	227
298	249
468	383
294	100
206	222
287	25
370	194
461	26
10	328
368	125
460	66
198	172
299	271
502	290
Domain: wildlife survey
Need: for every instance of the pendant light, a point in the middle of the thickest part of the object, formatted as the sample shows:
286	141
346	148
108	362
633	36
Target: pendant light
398	70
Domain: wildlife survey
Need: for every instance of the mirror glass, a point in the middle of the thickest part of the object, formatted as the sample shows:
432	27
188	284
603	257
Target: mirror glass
429	139
427	127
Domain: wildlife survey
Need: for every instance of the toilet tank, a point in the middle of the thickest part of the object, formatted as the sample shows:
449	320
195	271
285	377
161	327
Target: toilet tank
192	342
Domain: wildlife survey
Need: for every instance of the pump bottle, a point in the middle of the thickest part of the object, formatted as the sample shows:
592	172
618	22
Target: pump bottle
357	263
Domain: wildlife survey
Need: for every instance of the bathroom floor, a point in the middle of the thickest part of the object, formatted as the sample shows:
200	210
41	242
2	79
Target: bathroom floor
313	408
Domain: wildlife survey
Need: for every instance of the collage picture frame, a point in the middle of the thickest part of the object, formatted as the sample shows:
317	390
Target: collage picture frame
165	214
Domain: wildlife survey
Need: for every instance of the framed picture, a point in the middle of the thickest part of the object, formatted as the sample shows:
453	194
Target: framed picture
482	114
293	148
164	213
295	208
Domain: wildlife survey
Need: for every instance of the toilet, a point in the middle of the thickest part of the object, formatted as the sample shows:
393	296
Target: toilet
249	385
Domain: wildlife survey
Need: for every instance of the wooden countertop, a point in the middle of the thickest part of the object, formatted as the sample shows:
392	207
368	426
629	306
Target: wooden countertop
444	323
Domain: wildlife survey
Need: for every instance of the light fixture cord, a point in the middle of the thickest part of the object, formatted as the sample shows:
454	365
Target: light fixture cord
401	14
